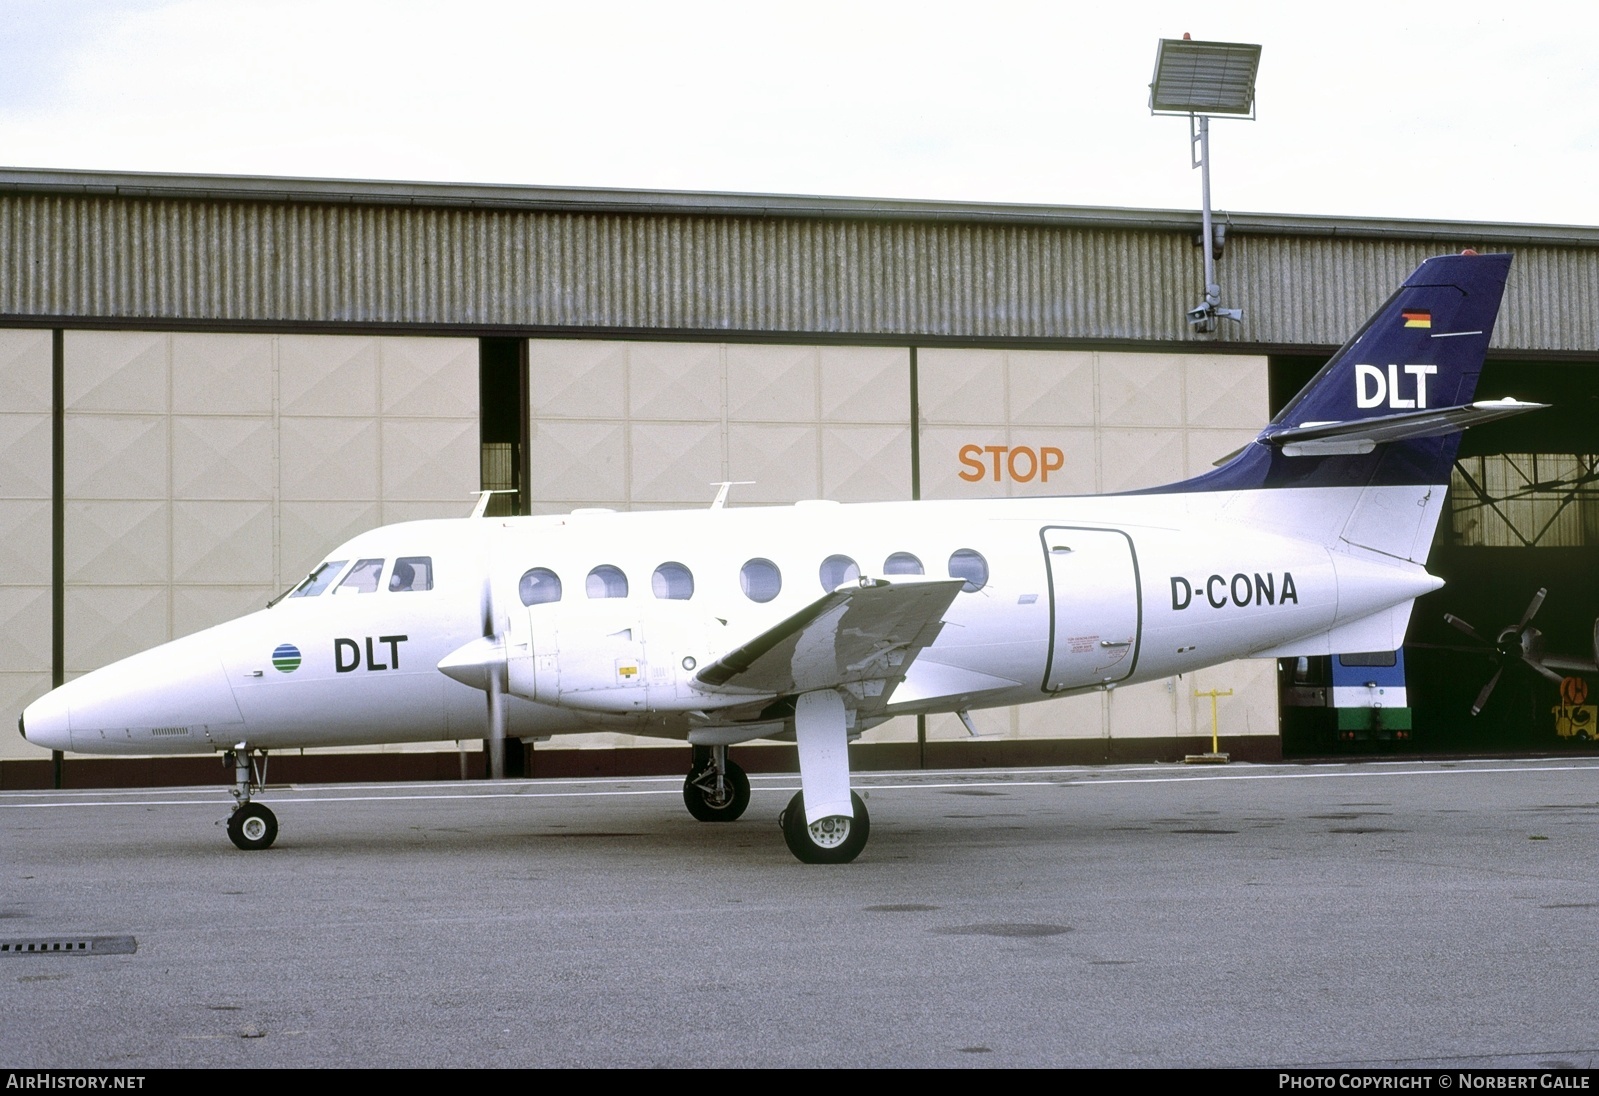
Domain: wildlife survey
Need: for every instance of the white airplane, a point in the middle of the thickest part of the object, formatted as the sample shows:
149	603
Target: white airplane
816	621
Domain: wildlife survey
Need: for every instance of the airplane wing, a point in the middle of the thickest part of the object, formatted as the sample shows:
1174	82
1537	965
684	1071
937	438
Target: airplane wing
1571	665
864	635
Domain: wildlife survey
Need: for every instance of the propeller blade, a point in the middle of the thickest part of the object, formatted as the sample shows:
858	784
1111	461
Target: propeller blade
1532	607
495	685
1487	690
496	735
1450	618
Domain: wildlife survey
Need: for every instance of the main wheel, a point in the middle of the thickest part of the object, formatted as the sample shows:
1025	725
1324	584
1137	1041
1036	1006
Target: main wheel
253	826
703	802
835	840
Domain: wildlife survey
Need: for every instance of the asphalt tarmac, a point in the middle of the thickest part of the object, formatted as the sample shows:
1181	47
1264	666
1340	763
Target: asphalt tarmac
1426	914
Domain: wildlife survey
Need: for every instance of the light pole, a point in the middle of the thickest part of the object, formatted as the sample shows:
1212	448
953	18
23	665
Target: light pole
1201	80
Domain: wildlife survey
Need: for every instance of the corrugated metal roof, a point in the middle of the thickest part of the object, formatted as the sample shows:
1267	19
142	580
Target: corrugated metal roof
86	247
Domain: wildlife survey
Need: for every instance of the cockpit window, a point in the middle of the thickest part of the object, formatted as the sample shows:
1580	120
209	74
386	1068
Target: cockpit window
411	574
320	579
362	579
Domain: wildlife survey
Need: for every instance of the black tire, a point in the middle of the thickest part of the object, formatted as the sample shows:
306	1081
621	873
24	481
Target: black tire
253	827
835	840
700	797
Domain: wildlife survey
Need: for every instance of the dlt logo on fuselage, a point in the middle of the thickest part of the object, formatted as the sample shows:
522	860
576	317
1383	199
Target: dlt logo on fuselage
1375	389
347	654
1240	590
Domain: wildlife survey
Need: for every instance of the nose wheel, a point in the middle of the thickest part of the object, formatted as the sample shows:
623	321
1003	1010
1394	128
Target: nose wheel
251	826
716	790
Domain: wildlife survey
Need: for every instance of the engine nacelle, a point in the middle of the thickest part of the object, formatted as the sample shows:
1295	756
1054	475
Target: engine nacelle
622	658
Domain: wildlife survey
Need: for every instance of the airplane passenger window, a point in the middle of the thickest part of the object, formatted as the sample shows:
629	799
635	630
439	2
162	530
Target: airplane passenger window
761	580
836	571
539	587
902	563
673	582
362	579
411	574
606	581
320	579
971	566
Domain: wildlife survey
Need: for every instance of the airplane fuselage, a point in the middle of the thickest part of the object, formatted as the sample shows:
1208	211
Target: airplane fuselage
1063	595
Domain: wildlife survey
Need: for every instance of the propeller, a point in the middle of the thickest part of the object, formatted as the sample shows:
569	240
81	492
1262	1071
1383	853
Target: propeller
481	664
1518	641
495	685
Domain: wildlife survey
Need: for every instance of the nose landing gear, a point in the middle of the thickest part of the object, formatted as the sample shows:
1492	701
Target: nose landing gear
251	825
716	789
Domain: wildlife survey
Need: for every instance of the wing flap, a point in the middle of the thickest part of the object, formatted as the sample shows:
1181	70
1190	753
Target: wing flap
866	633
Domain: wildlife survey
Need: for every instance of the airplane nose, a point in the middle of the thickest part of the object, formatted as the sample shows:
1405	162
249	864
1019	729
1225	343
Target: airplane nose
172	699
44	722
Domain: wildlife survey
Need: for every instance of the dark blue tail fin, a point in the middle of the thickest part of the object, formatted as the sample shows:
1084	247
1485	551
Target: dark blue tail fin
1389	406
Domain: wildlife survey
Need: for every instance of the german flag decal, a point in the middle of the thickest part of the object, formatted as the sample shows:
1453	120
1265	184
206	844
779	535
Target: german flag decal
1417	317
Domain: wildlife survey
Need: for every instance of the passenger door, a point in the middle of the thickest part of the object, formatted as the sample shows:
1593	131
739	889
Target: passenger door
1095	608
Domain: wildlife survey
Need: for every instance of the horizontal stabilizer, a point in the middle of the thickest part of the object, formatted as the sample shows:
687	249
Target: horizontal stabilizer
1356	436
865	633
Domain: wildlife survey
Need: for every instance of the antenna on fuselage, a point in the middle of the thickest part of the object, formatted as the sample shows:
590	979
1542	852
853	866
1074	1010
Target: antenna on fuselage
484	496
724	486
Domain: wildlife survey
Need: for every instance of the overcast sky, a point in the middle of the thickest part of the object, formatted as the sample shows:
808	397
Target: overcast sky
1418	109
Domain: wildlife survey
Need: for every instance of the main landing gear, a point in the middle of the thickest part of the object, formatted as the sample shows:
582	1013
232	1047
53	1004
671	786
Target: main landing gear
251	825
833	827
832	840
716	790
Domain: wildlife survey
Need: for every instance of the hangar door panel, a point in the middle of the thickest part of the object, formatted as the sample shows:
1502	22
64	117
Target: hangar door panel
1094	607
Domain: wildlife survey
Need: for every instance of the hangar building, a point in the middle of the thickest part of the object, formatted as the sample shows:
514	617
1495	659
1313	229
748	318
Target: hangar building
210	381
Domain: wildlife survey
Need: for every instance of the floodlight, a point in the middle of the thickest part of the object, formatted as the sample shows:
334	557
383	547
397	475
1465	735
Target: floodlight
1201	79
1204	77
